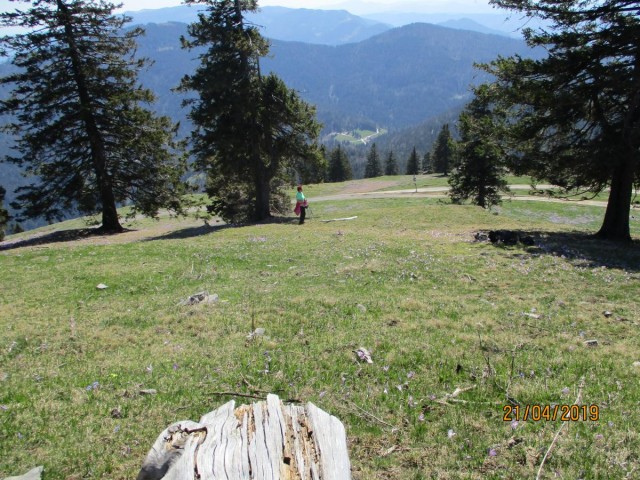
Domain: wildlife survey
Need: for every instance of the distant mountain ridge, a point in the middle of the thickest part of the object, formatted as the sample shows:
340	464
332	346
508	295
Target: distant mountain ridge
324	27
401	79
395	79
471	25
336	27
497	22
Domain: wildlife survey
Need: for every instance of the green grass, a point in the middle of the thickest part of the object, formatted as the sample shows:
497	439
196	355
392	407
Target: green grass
406	280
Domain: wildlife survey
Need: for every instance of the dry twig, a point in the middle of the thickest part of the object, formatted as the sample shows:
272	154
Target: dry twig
371	415
564	424
451	397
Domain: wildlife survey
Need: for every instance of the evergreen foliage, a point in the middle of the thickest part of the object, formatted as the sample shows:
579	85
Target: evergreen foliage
314	171
390	165
427	164
442	154
77	112
575	115
480	169
413	164
4	216
339	166
373	168
249	129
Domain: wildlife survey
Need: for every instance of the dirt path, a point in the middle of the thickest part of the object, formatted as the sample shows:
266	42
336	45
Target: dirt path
356	190
365	190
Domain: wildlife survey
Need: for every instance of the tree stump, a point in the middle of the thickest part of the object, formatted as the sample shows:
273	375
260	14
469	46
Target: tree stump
263	441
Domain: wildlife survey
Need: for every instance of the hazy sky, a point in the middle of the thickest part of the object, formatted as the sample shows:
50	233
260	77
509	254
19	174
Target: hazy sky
354	6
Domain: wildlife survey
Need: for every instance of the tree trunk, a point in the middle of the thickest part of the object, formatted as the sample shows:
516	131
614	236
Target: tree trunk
263	196
616	219
110	221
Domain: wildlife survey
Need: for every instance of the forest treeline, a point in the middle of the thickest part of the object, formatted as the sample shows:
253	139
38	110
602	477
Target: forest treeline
570	117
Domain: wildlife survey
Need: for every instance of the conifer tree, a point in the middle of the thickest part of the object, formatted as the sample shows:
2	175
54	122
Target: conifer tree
307	172
413	164
391	166
339	166
480	170
4	215
442	154
575	114
79	115
373	168
249	129
427	165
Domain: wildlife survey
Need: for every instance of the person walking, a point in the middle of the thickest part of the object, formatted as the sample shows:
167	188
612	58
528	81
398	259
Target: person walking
301	205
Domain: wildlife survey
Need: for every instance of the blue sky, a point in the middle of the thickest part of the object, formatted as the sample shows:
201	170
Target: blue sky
354	6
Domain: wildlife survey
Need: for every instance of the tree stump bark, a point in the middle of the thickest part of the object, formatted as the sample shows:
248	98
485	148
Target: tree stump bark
263	441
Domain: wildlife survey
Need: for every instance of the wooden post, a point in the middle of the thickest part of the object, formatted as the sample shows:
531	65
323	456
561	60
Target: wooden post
264	441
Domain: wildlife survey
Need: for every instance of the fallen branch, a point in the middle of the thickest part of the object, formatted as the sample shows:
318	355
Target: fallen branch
371	415
564	424
389	451
451	397
473	402
236	394
339	219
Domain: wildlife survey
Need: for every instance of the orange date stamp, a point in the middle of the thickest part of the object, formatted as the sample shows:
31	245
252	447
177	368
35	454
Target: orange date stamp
538	413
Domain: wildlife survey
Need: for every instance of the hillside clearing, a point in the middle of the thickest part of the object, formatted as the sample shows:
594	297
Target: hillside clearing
457	329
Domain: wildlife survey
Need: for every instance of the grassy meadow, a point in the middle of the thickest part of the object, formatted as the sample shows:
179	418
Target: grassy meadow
457	330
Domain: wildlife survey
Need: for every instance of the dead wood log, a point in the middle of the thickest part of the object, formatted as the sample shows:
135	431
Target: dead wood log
33	474
265	440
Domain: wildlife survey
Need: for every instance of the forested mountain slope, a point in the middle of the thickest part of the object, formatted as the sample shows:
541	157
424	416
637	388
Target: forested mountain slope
396	80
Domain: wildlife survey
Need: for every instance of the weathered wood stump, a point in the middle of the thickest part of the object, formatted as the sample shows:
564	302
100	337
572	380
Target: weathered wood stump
265	440
33	474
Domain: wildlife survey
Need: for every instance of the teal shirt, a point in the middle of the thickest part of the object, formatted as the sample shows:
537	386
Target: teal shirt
300	197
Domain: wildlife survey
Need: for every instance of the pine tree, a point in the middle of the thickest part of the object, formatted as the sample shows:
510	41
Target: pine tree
79	118
575	115
480	170
249	129
391	166
413	164
339	166
4	215
373	168
427	165
442	154
307	172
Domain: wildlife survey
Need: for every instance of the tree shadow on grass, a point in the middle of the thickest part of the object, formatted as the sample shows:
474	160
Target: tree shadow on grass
85	233
61	236
582	249
189	232
193	232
